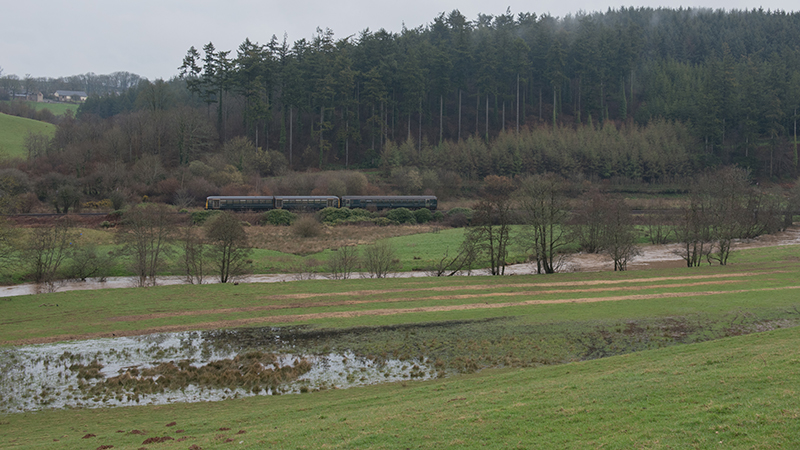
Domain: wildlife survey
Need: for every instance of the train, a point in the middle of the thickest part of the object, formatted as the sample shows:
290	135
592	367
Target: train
318	202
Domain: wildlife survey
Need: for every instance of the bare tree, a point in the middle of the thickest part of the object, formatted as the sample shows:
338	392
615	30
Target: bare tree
450	265
147	235
729	192
489	231
229	249
618	236
343	262
724	206
86	262
379	259
588	221
47	249
193	260
544	206
660	225
694	233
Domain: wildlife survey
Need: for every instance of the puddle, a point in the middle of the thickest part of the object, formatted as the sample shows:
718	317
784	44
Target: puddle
88	373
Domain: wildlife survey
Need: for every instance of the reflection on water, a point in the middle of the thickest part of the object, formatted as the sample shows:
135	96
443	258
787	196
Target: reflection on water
54	375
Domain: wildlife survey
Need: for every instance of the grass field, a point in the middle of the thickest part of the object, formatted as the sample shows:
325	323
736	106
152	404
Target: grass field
55	108
733	393
736	392
13	131
768	272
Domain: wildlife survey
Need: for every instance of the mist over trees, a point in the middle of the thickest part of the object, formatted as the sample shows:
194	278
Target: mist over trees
641	94
328	101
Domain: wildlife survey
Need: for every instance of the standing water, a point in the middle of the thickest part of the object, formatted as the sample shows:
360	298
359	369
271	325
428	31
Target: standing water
177	367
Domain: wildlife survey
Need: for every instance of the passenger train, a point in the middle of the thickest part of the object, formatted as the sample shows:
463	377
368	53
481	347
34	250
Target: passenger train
318	202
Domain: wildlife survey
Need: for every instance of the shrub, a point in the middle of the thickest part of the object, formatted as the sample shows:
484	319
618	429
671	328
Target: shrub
459	217
360	212
382	221
114	216
438	216
423	215
457	220
307	226
117	199
100	204
466	212
401	215
200	217
278	217
334	215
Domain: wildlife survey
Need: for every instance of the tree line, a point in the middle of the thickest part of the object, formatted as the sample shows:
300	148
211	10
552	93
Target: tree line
328	100
723	206
91	83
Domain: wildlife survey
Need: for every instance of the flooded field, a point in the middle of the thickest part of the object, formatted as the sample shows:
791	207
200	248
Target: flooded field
651	256
179	367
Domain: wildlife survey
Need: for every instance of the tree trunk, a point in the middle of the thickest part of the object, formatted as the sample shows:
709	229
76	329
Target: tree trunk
517	104
487	117
459	115
441	111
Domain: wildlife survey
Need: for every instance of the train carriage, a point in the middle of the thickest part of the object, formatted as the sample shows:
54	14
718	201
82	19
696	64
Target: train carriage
379	202
240	203
306	203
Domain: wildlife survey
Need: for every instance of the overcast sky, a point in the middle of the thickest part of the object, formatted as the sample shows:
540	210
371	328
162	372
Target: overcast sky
52	38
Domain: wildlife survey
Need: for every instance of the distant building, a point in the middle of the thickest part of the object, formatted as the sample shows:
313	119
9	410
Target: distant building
70	96
31	97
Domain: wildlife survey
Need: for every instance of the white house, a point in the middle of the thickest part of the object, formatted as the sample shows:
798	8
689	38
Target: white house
70	96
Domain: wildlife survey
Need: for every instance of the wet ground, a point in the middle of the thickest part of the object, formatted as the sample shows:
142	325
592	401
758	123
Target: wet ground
652	256
145	370
177	367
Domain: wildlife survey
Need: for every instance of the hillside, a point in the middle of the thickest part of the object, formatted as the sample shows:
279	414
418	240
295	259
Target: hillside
13	131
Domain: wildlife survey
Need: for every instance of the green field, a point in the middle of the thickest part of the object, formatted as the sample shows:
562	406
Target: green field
55	108
732	393
757	273
721	387
13	131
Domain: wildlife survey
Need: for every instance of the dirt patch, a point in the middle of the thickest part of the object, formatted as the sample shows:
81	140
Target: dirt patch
157	440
